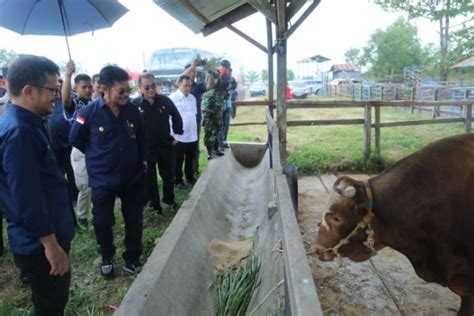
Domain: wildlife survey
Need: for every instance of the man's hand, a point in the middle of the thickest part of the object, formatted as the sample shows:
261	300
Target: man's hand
70	68
174	142
145	165
194	63
55	255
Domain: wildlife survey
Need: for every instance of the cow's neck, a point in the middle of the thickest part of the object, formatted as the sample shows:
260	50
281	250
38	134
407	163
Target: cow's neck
392	212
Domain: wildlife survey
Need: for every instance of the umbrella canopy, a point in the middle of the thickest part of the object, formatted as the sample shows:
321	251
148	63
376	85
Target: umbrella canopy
59	17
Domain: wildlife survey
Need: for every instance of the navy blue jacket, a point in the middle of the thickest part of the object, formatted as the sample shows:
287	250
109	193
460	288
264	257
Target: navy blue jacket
59	127
114	146
32	189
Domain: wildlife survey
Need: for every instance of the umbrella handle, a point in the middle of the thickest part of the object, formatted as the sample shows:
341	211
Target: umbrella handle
64	20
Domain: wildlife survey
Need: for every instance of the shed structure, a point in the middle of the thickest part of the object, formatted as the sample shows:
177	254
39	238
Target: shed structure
209	16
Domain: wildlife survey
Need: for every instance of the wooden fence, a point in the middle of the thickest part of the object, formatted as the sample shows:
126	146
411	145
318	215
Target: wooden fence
372	119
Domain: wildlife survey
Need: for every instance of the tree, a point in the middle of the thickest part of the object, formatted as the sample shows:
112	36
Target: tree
251	76
6	56
352	56
264	75
393	49
290	75
441	11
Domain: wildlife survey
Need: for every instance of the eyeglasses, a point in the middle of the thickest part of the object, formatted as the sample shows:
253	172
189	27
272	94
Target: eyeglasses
148	87
123	91
57	90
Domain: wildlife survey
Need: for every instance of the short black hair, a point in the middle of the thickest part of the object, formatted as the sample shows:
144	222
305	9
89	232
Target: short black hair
183	77
95	76
111	74
82	77
145	75
29	70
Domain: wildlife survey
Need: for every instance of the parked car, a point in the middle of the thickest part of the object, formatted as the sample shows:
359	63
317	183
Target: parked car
313	86
298	89
258	88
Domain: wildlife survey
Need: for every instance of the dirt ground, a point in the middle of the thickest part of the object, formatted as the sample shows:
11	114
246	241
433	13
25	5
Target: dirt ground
384	285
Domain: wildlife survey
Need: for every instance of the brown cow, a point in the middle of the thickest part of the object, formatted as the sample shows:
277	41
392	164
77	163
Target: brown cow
423	207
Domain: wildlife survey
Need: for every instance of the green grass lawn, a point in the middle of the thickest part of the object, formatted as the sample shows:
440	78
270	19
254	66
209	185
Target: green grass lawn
313	149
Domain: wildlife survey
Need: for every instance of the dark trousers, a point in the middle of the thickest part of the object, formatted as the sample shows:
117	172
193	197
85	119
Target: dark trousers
49	293
2	249
197	154
164	157
185	152
103	201
63	157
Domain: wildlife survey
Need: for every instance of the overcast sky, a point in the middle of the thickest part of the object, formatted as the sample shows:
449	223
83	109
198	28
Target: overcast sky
332	28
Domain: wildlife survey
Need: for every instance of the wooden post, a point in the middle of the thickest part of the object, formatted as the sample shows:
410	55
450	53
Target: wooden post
367	128
377	131
281	75
468	124
412	98
270	66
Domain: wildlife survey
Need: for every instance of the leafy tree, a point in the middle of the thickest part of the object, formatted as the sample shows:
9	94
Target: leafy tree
251	76
464	38
352	56
441	11
6	56
290	75
393	49
264	75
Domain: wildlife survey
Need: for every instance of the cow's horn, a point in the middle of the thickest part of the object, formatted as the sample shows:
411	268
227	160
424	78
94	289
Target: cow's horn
348	191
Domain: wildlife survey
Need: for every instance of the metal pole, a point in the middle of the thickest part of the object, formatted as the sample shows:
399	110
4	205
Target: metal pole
65	26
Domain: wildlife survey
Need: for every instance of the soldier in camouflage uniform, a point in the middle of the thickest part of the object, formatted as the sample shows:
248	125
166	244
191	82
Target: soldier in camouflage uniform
212	107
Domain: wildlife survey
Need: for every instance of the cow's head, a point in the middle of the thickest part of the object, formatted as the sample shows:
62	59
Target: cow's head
346	218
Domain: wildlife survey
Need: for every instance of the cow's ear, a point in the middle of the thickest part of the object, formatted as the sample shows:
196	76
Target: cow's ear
345	186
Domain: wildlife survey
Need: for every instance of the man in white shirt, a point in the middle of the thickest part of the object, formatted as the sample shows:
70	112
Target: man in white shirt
185	149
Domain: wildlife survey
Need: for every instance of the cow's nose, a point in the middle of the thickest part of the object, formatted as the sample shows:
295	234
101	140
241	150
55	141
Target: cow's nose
323	253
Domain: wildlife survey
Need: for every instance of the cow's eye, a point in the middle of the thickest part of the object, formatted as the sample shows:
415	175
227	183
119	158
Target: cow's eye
336	218
319	224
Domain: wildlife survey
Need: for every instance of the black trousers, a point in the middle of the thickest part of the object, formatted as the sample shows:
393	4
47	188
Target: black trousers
164	157
63	157
196	157
185	152
2	247
49	293
103	201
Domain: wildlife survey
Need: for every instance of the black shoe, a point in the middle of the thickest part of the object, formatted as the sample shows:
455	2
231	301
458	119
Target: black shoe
132	266
219	153
107	269
209	157
226	145
83	223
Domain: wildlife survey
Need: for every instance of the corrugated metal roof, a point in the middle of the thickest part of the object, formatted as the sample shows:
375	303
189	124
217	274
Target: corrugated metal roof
315	58
344	67
465	63
198	14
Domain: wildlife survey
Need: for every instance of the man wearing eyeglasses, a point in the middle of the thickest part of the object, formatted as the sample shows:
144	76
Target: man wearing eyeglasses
111	134
157	110
32	189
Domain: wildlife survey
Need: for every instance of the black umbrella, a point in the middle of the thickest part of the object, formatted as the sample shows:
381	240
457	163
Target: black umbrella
59	17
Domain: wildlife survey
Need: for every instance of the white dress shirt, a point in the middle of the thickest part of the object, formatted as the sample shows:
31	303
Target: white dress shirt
187	108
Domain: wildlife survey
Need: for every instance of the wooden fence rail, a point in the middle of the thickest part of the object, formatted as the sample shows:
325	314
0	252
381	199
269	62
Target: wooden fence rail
367	120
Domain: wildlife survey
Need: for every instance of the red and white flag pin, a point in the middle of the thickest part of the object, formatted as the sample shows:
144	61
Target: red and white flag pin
80	120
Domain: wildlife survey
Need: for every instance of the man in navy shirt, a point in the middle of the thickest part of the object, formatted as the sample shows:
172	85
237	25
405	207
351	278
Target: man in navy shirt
111	134
32	189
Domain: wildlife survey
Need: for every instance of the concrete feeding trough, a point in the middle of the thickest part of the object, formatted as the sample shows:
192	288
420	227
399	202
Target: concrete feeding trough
239	195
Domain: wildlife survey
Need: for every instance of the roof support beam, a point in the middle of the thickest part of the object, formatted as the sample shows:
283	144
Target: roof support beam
246	37
265	8
270	66
303	17
195	11
293	8
230	18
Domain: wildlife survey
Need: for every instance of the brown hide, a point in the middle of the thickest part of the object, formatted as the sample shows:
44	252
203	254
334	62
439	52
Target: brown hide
424	208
